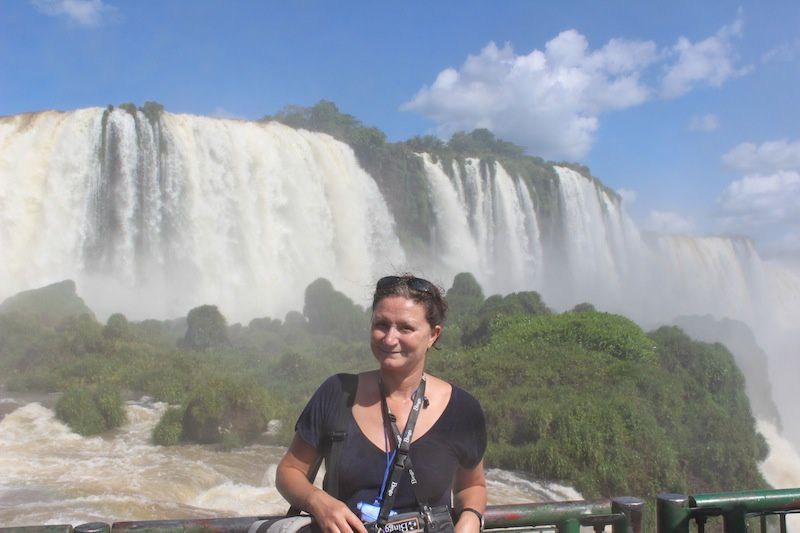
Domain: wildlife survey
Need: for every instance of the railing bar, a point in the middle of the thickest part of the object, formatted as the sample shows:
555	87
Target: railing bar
783	523
763	523
701	524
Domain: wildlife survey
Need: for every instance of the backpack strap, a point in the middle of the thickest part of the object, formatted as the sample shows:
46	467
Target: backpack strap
334	440
339	433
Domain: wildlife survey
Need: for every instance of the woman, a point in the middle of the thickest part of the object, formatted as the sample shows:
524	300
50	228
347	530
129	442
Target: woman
449	436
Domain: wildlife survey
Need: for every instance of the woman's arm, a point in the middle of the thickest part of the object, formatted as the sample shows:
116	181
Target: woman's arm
291	480
469	491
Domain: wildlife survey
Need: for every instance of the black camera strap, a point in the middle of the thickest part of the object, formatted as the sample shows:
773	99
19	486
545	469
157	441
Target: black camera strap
402	460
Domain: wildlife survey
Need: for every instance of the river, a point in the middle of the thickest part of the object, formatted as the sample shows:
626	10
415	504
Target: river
50	475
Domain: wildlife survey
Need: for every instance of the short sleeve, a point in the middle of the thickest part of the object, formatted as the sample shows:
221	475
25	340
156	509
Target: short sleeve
470	440
314	421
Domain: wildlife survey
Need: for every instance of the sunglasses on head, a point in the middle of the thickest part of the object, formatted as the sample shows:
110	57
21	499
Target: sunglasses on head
416	284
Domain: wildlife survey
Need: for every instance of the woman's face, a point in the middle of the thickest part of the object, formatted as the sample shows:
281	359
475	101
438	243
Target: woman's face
400	334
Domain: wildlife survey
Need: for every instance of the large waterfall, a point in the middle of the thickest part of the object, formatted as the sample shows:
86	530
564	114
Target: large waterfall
155	217
155	213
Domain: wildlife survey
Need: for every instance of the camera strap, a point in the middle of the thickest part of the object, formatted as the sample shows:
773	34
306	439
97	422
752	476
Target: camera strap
402	460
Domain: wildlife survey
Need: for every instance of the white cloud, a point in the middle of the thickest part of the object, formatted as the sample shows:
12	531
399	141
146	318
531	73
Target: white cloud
711	61
765	202
783	52
549	101
628	196
83	12
769	157
756	200
669	222
707	122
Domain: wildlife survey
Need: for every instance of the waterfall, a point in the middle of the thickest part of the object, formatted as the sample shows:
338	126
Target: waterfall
485	224
154	213
153	217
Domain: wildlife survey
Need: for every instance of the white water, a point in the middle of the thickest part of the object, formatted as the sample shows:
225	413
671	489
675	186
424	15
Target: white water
484	226
49	475
239	214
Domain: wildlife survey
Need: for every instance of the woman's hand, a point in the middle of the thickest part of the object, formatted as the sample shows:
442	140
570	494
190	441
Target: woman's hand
468	523
332	515
291	479
469	491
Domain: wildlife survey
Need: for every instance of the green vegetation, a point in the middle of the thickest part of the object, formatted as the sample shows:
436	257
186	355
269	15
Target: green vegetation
89	411
169	430
582	397
400	174
47	305
206	328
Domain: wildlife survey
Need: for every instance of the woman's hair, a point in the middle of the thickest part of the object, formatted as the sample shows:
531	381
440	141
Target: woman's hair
417	289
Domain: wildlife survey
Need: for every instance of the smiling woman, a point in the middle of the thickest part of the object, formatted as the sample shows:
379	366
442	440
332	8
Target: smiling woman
441	445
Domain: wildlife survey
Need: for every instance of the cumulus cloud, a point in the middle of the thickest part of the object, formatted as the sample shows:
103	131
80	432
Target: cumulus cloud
711	61
550	100
82	12
765	202
547	101
628	196
669	222
769	157
707	122
758	200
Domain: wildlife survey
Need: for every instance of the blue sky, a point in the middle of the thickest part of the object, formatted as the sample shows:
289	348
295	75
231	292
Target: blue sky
689	109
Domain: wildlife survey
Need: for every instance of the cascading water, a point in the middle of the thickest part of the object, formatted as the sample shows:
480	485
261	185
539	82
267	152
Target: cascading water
481	219
153	218
602	258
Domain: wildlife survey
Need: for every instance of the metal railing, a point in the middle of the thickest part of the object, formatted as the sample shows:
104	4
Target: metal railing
624	515
675	512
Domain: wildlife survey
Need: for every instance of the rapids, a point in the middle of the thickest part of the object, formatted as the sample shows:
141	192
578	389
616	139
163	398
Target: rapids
49	475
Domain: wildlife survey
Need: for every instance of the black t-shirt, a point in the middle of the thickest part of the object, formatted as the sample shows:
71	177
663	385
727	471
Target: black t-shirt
458	437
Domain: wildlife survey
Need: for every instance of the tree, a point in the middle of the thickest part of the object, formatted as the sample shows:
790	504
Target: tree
116	327
331	312
206	328
464	298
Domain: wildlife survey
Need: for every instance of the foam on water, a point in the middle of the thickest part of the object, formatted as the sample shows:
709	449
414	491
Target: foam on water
49	475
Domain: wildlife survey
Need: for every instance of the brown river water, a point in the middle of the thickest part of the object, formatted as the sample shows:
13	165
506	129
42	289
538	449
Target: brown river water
50	475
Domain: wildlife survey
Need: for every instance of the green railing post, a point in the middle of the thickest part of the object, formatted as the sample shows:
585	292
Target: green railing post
672	513
633	512
571	525
735	521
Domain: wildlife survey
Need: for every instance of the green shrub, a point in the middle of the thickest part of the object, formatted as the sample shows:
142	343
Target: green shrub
91	410
222	405
206	328
588	399
78	410
169	430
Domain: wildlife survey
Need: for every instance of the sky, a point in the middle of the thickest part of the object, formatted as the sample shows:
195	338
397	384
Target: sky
689	110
